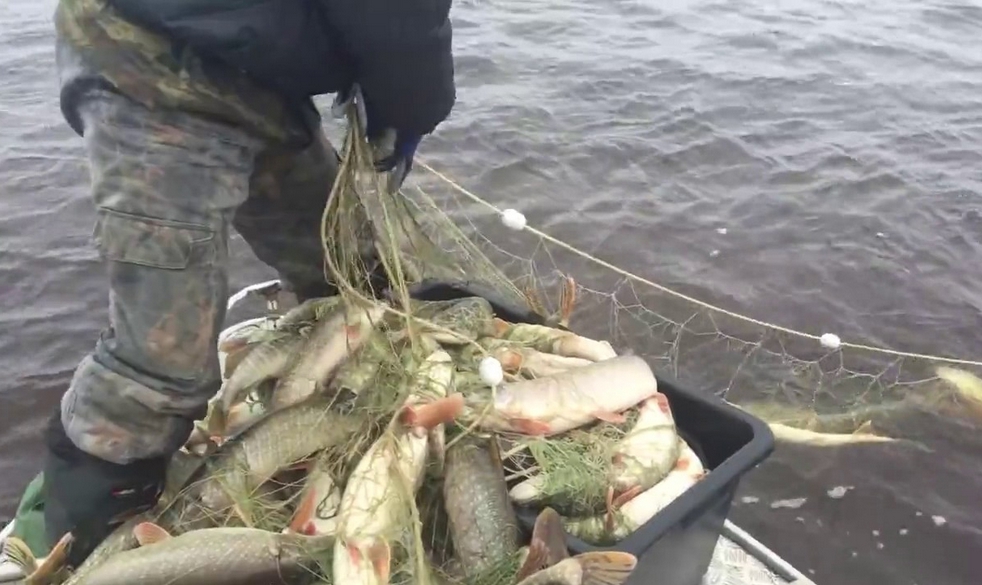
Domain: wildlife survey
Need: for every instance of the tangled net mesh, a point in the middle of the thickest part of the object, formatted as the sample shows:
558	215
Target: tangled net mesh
784	376
439	231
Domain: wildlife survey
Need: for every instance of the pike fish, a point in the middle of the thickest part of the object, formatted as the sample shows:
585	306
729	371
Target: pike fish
640	460
589	568
211	556
863	434
119	540
317	513
617	525
329	344
649	450
358	373
518	359
386	478
562	402
269	359
483	524
555	341
181	469
270	444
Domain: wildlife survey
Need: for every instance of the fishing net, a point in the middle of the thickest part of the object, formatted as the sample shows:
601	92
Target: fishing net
398	247
386	245
783	375
403	247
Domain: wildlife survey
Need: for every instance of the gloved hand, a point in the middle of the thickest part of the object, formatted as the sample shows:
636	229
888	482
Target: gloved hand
90	497
393	149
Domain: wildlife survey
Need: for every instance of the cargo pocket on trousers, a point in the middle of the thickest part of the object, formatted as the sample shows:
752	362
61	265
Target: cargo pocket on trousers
154	242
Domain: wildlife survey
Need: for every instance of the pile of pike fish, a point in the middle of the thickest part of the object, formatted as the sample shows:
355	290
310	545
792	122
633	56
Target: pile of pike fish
351	445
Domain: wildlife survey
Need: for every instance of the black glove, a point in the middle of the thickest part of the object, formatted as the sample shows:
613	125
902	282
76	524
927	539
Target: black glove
90	497
394	149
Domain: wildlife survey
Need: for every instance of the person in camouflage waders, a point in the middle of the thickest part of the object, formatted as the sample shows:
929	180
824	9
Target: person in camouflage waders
197	117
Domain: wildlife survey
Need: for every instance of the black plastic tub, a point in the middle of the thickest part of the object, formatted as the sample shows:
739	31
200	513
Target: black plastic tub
676	546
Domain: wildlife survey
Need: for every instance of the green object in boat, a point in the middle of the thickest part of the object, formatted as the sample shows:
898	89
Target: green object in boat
29	519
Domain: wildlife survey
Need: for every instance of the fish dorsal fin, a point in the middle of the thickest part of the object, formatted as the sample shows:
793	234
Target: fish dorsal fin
305	511
548	544
548	530
147	533
606	567
534	562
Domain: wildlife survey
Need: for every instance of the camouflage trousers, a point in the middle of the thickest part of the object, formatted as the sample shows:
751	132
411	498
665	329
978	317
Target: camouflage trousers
168	186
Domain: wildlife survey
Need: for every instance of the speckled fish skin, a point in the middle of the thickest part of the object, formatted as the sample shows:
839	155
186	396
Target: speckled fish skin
272	443
482	521
373	506
213	556
308	311
650	449
118	541
267	360
640	509
329	344
466	319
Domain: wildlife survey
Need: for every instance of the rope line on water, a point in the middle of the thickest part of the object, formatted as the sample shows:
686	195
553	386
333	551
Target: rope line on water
640	279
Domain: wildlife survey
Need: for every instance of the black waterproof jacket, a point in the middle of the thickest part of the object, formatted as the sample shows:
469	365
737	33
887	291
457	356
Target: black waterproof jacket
399	51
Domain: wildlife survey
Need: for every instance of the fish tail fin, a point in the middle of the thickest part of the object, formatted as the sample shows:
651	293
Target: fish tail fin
17	552
302	465
606	567
548	530
147	533
965	384
534	561
305	511
55	560
548	545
